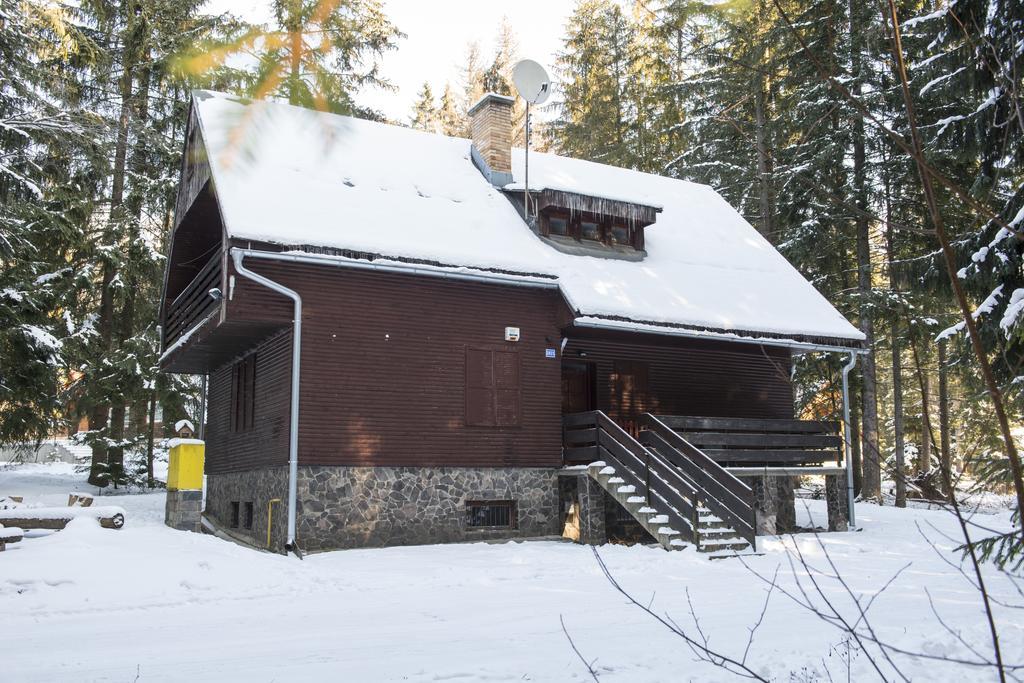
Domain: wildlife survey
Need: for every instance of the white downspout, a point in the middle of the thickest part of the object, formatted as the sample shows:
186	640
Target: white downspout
293	426
852	521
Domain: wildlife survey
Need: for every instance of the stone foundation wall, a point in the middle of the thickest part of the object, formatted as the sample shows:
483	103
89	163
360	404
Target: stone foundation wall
357	507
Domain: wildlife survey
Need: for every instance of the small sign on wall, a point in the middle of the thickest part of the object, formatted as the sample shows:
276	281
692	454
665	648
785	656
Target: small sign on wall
550	353
511	334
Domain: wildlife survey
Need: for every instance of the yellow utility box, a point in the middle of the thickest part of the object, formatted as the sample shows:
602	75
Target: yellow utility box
185	466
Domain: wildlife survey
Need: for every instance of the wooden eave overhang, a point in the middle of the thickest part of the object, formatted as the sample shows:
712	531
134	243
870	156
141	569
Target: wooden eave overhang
548	199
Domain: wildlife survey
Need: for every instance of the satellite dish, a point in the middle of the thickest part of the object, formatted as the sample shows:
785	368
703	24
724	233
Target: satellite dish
531	81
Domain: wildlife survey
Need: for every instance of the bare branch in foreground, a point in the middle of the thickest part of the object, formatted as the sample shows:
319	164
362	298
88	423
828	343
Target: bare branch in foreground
589	665
703	652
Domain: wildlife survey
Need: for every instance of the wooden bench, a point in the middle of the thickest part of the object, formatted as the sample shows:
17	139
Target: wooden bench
744	442
9	534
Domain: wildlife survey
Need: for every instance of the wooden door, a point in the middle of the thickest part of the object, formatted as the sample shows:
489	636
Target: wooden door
629	393
578	387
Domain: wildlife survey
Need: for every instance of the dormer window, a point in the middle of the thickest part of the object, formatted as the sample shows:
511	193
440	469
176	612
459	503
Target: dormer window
620	233
558	224
591	229
584	225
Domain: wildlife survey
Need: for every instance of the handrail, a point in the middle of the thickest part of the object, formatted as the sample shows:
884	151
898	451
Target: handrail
724	493
193	302
675	495
214	262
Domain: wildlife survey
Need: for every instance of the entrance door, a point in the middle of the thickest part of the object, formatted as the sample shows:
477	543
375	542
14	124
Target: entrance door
629	385
578	387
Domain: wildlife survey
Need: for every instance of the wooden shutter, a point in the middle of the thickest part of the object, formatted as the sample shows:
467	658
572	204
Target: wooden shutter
479	388
249	407
492	388
243	394
506	388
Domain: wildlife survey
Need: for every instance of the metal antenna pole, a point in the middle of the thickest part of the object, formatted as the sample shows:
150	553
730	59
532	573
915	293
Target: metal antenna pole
526	154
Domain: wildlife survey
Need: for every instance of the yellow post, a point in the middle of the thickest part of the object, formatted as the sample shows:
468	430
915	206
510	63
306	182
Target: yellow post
185	466
270	517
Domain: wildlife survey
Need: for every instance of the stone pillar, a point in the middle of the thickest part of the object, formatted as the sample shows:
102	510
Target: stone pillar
590	497
764	506
785	504
835	501
184	506
775	504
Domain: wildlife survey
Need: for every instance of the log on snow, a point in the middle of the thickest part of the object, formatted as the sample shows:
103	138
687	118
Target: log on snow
109	517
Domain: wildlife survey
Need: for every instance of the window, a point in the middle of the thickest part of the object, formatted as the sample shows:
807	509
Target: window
249	514
558	225
492	388
234	514
491	514
619	234
243	394
590	230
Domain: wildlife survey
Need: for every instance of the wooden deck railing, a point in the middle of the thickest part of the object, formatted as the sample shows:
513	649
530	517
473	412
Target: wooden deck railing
758	442
194	302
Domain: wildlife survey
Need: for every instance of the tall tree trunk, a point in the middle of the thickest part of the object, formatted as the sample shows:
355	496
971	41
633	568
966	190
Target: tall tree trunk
945	457
858	469
150	479
897	416
924	460
101	413
869	392
897	362
764	226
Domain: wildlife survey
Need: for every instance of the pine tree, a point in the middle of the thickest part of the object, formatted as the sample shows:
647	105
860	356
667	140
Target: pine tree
424	112
599	116
37	191
316	55
450	120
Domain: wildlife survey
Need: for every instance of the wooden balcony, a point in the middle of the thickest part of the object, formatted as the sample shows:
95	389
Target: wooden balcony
193	304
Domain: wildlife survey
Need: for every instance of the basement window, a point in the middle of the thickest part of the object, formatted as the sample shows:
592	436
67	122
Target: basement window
491	514
249	514
235	510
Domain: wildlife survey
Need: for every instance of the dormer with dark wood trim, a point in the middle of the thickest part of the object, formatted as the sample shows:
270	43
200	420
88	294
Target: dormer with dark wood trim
584	225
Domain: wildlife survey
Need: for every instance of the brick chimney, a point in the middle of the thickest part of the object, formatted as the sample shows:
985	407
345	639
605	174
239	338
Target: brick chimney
490	121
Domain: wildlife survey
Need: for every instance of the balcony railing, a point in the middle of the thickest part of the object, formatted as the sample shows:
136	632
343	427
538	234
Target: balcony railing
194	302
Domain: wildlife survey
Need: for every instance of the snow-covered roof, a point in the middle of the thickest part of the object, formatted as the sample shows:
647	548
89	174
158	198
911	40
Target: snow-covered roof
297	177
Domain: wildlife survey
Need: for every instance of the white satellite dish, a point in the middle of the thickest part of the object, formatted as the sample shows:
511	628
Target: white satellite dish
531	81
534	86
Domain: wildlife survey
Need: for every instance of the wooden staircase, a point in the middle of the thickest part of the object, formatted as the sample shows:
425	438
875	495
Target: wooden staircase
677	494
655	522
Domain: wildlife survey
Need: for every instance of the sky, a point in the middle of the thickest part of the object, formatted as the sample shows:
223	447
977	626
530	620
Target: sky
437	32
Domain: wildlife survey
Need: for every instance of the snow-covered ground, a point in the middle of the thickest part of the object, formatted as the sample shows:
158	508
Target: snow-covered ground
148	603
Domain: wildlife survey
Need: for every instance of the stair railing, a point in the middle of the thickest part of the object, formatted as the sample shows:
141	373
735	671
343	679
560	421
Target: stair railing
666	487
720	491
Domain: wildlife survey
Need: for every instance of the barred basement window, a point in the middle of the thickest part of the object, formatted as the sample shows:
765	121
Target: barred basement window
491	514
249	515
234	514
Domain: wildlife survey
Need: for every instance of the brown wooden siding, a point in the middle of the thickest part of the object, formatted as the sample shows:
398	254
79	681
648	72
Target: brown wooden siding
266	444
383	365
685	377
